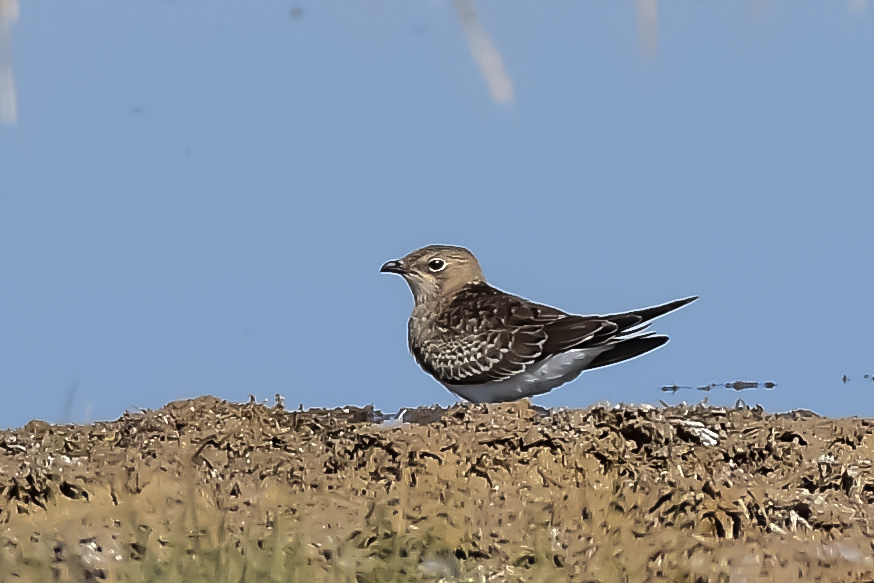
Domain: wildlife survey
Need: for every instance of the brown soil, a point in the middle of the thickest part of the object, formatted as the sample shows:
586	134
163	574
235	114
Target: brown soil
472	493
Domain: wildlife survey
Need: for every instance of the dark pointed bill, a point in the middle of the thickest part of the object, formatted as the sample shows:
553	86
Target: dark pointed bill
392	267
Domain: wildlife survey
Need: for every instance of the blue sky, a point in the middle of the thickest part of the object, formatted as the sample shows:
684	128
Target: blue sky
196	197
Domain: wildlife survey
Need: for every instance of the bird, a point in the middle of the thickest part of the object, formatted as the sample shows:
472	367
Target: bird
488	346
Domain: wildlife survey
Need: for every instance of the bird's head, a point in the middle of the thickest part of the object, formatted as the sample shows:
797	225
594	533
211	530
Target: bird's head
436	271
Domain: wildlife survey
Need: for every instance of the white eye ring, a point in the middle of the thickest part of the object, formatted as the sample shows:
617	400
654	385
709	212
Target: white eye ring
436	265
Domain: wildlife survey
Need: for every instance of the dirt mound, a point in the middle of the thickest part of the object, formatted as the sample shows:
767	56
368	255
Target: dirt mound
210	490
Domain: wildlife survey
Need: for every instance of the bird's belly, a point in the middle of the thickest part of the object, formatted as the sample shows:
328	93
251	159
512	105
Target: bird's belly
539	378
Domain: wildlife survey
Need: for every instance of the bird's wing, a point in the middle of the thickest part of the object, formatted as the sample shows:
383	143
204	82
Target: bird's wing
638	320
484	335
573	332
577	332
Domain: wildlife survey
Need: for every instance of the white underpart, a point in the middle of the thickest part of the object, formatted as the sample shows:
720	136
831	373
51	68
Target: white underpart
539	378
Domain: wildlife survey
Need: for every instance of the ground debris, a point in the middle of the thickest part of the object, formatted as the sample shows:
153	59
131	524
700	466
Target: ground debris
472	492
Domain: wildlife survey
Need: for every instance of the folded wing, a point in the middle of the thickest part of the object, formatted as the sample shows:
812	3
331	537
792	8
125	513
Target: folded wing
485	335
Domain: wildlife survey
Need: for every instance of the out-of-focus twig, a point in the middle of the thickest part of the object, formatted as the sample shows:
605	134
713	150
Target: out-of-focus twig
8	105
857	6
647	22
485	53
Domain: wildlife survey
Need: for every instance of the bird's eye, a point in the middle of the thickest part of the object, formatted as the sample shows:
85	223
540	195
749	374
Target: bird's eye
436	265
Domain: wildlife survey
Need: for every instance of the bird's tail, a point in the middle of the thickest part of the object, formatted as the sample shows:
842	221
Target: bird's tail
631	324
627	349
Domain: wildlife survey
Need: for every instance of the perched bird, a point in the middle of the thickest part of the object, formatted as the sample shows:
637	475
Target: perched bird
488	346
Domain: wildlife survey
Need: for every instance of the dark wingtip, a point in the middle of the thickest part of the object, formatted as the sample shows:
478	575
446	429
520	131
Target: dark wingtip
638	320
655	312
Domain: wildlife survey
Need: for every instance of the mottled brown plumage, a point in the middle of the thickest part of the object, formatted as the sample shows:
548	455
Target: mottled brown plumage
486	345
